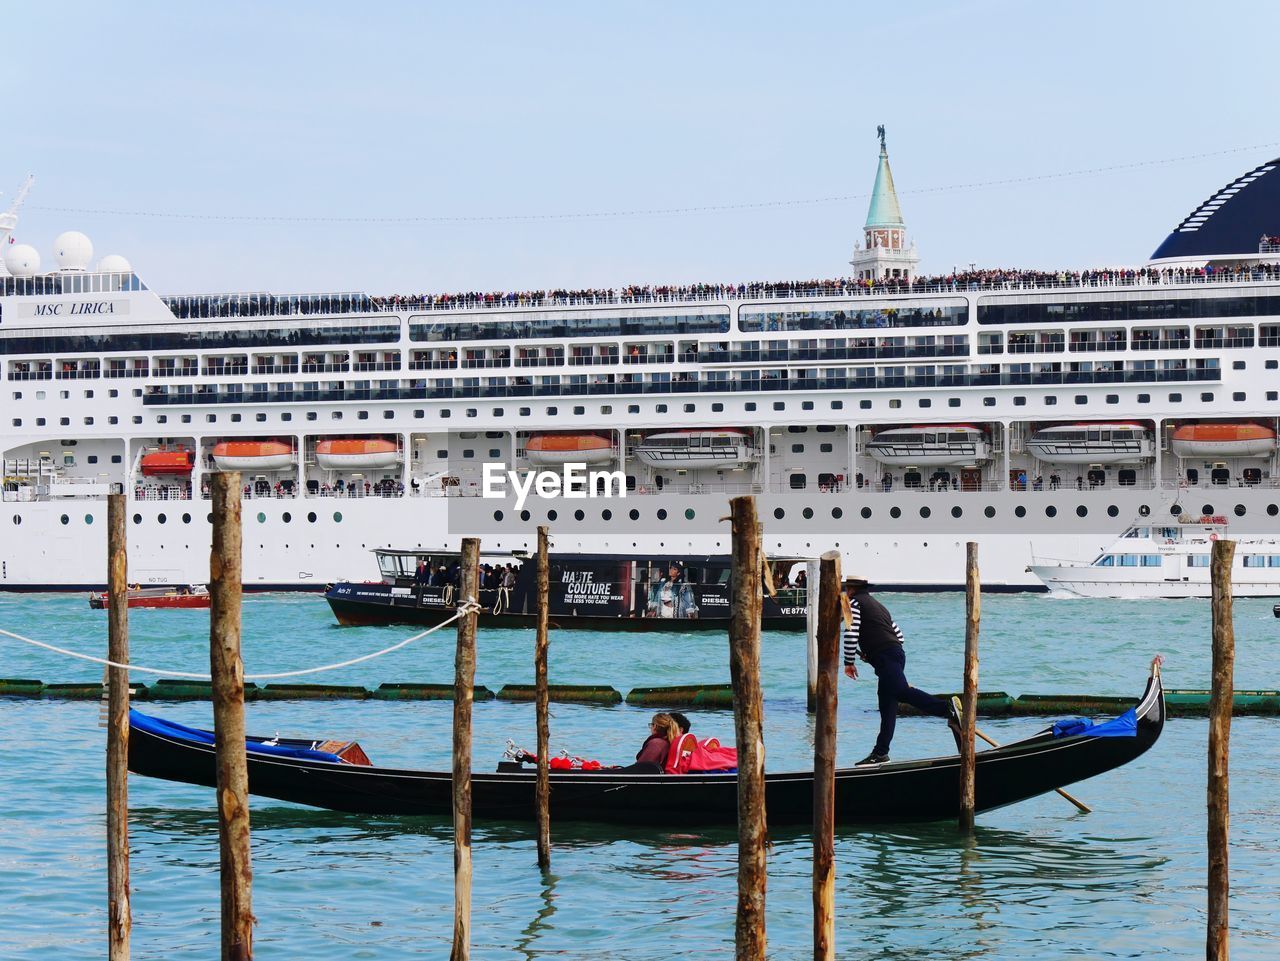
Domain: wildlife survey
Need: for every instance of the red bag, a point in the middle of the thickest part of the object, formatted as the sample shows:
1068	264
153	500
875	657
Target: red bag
560	764
590	765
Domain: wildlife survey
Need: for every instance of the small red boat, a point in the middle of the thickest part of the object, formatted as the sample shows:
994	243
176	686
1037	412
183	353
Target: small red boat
195	596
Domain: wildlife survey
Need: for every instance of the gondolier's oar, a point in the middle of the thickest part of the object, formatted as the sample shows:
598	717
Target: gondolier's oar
994	743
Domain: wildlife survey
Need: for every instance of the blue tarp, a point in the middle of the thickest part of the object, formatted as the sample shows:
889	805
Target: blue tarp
155	725
1126	725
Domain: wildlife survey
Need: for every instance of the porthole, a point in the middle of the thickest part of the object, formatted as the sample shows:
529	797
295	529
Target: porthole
1240	510
88	518
779	513
925	512
688	513
64	520
137	518
1113	511
1019	511
836	513
1206	509
662	513
524	515
807	513
895	512
262	518
578	515
957	511
1144	511
989	511
1176	510
17	520
1082	511
866	513
633	514
1051	511
208	518
186	518
606	515
1272	510
311	517
161	518
552	515
497	515
286	517
337	517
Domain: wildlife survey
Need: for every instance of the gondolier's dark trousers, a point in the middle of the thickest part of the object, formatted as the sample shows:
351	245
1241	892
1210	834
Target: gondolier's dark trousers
890	663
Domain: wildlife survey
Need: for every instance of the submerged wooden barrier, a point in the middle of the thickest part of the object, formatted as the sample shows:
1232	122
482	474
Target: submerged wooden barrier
991	704
567	693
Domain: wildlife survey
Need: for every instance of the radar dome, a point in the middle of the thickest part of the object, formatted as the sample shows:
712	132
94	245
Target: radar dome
73	250
114	264
23	260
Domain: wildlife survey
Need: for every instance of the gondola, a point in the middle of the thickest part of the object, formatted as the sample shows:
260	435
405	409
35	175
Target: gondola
338	777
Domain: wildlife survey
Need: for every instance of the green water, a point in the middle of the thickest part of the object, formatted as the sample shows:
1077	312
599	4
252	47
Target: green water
1037	881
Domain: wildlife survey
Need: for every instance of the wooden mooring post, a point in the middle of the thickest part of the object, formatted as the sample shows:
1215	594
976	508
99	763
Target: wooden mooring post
542	708
119	917
227	671
969	700
1217	947
748	724
825	595
813	575
463	695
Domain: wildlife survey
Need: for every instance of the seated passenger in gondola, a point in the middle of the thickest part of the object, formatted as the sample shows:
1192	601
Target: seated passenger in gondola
652	757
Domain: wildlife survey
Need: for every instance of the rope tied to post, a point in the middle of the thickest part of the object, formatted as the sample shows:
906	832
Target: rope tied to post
466	607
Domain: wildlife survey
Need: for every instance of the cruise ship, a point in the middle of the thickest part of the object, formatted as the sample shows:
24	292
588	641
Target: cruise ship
886	415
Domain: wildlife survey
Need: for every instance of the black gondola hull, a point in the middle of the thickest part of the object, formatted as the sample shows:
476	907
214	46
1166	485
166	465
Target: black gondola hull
904	791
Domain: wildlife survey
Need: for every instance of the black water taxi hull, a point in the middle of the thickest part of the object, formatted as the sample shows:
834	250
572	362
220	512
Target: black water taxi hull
920	790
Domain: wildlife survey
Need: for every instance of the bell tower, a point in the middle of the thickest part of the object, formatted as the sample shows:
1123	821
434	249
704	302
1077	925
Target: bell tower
884	253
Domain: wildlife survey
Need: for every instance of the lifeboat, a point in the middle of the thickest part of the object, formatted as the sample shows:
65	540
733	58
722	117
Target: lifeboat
167	463
1109	443
1223	440
697	449
937	445
253	455
370	453
568	449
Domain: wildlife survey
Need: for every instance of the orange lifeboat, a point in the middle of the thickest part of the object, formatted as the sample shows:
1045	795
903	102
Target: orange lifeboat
568	449
162	463
251	455
1223	440
369	453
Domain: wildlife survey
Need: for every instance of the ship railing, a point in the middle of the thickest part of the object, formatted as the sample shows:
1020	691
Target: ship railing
161	494
1208	487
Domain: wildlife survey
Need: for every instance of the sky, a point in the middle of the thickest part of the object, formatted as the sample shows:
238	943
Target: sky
409	147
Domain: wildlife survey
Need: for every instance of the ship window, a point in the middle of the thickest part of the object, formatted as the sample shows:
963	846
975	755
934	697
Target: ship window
894	404
579	410
1019	402
1106	560
525	411
258	417
633	408
1207	397
925	402
1240	510
837	405
988	402
1151	560
895	512
1250	560
446	413
1273	510
17	422
1175	398
662	513
779	405
1051	511
826	448
912	478
797	448
715	408
1113	511
799	482
92	458
1237	396
468	453
362	415
1050	400
1273	395
40	421
750	405
806	405
925	512
1198	560
661	408
864	404
1019	511
113	419
866	513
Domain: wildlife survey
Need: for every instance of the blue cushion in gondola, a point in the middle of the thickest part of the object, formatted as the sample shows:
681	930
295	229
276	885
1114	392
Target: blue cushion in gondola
172	729
1126	725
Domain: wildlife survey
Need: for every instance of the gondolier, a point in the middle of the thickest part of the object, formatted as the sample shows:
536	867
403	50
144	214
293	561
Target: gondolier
873	635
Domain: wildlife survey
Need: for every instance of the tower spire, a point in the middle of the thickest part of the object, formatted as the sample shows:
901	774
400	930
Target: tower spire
885	254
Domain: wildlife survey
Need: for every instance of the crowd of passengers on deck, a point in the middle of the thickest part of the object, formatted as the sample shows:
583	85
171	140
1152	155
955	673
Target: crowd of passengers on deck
997	278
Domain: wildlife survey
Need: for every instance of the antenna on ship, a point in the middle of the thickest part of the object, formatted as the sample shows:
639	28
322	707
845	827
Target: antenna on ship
9	219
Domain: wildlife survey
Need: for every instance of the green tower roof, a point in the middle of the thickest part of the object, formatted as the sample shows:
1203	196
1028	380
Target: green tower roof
884	210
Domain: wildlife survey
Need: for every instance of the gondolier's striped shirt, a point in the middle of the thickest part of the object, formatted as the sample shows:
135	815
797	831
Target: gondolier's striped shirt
871	628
